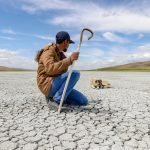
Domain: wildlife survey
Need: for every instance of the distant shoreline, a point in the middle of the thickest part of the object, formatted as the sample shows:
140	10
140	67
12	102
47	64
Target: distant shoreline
132	70
131	67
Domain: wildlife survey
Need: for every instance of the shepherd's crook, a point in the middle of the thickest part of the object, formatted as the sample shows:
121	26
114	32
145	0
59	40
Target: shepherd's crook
70	71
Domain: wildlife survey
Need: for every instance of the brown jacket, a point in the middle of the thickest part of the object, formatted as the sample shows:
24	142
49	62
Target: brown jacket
51	64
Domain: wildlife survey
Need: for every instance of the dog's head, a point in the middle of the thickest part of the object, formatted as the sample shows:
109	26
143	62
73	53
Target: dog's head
96	82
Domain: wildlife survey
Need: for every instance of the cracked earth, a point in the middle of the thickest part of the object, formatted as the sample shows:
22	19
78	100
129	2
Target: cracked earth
115	119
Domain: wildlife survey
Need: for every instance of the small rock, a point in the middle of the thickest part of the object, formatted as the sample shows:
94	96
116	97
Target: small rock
31	134
8	145
116	147
66	137
33	139
4	139
68	145
14	133
14	140
58	148
94	146
59	131
131	143
142	144
28	128
124	137
30	146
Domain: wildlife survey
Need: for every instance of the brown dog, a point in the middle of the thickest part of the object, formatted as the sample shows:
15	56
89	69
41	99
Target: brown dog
100	84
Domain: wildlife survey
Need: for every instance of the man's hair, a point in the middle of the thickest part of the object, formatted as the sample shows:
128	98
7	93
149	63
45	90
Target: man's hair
39	53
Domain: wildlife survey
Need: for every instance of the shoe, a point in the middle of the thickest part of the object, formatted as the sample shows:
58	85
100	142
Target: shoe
52	104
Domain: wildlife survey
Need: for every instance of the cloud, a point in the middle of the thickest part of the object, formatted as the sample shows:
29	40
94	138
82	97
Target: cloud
104	17
125	16
4	53
115	56
104	20
7	38
116	19
89	59
93	53
122	56
11	58
114	38
8	31
44	37
32	6
140	36
144	48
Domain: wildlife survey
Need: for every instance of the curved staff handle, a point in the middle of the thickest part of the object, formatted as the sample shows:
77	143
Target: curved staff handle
81	37
70	71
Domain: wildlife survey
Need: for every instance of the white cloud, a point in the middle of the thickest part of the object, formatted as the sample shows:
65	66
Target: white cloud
8	31
114	38
76	37
144	48
44	37
128	16
109	20
92	53
32	6
120	56
89	59
4	53
11	58
115	56
140	36
104	20
7	38
120	19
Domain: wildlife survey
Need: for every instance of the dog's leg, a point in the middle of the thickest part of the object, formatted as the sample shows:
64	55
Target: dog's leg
92	86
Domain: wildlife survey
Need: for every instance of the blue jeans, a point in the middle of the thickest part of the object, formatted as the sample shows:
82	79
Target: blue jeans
72	96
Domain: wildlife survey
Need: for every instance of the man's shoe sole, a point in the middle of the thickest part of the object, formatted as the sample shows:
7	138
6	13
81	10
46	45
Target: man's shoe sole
53	105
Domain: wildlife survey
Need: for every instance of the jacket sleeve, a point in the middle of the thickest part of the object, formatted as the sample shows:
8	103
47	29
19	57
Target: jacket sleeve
54	68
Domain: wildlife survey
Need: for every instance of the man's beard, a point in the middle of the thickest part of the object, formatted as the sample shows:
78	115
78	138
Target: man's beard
65	50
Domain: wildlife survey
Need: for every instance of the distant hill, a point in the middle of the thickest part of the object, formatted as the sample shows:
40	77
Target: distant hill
138	66
3	68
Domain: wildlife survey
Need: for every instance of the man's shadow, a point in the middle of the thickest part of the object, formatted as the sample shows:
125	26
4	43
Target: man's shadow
90	108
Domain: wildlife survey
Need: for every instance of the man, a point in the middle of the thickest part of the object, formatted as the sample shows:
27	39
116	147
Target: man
52	73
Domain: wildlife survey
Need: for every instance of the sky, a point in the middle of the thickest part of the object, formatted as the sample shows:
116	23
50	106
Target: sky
121	30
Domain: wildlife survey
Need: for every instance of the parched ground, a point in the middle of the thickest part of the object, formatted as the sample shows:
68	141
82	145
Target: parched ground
116	118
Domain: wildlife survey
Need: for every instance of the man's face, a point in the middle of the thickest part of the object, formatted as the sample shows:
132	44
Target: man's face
66	45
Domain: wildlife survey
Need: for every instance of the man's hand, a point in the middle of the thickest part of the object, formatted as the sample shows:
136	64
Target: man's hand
74	56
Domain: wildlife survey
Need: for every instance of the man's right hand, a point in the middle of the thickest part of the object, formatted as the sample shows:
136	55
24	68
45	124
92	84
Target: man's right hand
74	56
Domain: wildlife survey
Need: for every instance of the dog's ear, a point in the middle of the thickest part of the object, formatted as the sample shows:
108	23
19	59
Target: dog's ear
100	81
94	82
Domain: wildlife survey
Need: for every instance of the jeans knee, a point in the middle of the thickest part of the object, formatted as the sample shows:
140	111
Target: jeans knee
76	74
